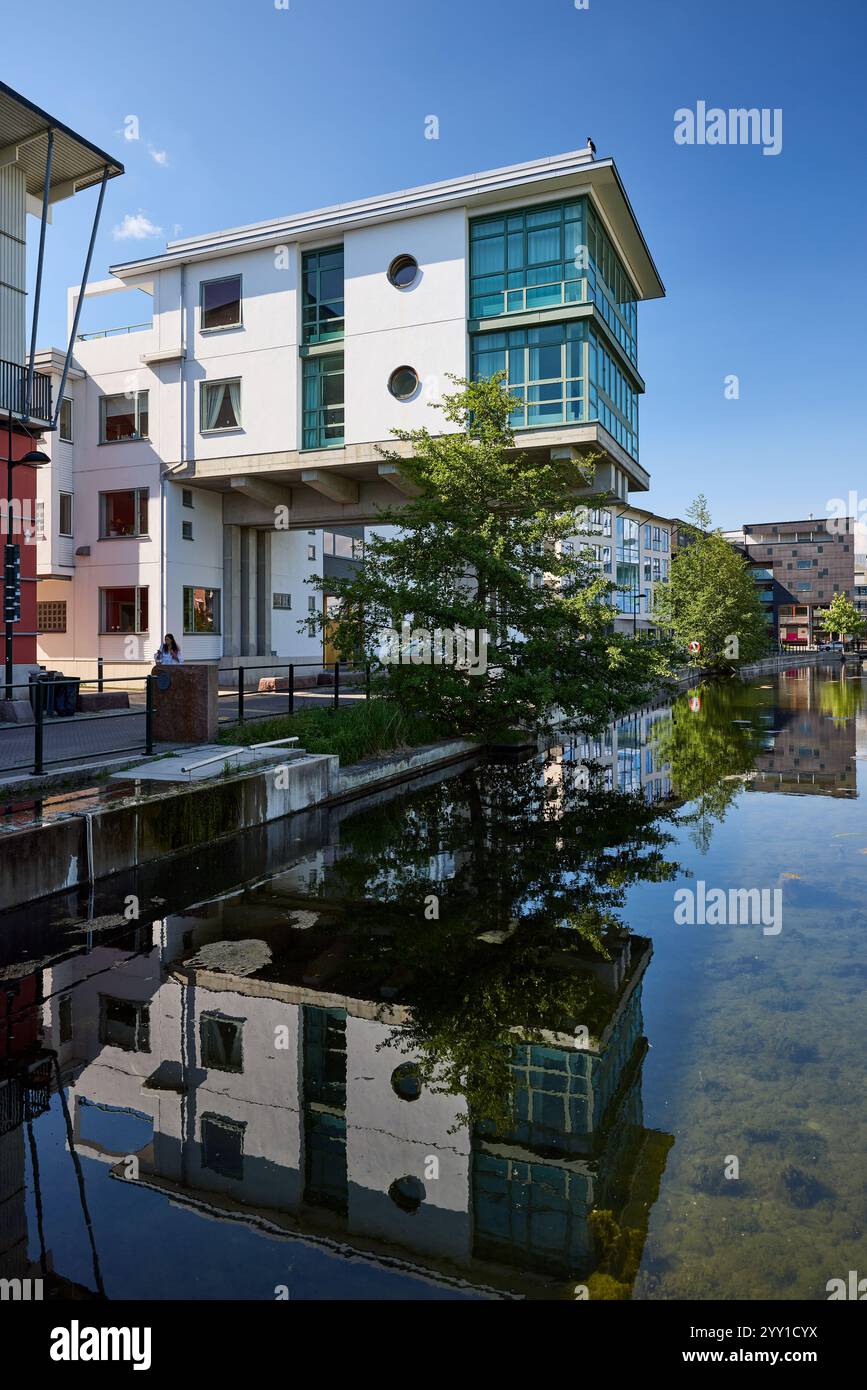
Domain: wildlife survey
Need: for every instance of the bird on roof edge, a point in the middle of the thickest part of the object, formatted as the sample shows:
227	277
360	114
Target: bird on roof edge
591	147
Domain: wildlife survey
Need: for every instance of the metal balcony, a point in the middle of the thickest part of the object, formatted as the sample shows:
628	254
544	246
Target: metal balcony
13	389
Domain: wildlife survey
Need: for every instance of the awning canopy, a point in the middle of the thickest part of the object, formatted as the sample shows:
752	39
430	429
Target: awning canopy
76	163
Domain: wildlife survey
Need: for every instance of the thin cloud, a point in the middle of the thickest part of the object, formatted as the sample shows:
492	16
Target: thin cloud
136	227
160	157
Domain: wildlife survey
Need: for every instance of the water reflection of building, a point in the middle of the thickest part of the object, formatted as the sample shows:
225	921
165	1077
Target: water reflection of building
626	752
808	744
273	1092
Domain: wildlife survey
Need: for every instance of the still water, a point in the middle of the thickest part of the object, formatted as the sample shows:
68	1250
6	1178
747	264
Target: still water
494	1037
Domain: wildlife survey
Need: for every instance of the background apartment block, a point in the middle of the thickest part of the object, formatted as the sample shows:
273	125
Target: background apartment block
632	548
798	567
209	453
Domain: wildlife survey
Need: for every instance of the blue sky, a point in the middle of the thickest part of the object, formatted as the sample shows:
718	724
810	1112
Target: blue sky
247	111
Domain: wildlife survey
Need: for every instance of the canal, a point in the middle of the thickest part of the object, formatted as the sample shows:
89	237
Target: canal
586	1024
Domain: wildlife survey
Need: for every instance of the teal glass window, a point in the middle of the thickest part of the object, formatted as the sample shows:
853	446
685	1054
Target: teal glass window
613	401
545	368
322	426
531	259
560	373
322	317
545	257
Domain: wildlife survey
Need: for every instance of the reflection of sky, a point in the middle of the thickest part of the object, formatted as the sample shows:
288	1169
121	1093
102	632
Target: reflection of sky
210	1257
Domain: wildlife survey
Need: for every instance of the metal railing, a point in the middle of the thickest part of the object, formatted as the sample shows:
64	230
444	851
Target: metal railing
40	694
114	332
243	713
13	389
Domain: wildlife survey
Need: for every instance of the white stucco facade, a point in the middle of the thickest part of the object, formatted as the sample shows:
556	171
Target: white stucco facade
268	400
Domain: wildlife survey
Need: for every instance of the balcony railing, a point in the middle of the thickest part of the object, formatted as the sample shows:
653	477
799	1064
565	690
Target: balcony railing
13	389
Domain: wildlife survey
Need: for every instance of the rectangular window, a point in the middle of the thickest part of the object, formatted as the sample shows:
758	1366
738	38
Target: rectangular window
322	297
124	1023
123	417
311	552
64	430
323	401
220	405
64	516
201	612
283	601
222	1043
656	538
221	302
186	497
804	564
123	514
311	604
223	1146
65	1018
647	534
123	610
187	530
51	617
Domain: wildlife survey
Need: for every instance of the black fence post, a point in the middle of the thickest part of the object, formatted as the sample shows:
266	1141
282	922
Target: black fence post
39	730
291	689
240	694
100	672
149	715
336	684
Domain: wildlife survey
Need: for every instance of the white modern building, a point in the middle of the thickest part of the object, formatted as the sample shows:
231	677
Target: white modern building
632	548
205	458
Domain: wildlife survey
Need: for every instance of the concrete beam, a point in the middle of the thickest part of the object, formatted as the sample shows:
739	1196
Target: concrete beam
332	485
258	490
390	473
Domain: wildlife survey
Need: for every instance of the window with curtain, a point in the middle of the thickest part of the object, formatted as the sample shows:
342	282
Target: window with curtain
123	514
323	402
123	610
221	405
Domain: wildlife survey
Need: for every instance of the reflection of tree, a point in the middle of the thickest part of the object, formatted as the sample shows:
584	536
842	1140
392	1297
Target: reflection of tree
529	870
841	699
704	747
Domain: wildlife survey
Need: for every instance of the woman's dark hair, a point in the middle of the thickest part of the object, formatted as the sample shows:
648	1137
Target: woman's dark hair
171	643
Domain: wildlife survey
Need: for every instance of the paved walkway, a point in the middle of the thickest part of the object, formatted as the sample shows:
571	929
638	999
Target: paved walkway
87	737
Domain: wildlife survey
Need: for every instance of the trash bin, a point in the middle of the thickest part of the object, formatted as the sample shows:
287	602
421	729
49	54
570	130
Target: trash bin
45	679
65	694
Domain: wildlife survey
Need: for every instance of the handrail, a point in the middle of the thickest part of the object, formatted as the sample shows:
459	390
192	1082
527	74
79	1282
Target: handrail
233	752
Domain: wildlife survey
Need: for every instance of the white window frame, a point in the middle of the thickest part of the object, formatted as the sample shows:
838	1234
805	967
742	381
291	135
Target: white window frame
138	437
221	327
66	438
60	496
204	388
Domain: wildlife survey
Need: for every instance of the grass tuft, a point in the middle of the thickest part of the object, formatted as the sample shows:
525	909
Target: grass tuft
365	730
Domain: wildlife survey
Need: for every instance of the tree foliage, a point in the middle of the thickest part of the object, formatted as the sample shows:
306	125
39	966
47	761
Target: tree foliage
841	619
711	597
480	549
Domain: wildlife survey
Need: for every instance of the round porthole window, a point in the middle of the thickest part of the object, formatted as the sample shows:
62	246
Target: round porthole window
406	1082
403	272
407	1193
403	383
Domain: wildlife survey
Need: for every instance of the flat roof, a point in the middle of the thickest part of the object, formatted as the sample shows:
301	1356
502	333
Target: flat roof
532	180
76	163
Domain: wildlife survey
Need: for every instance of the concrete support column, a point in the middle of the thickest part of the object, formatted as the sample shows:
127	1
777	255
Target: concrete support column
231	590
248	591
263	593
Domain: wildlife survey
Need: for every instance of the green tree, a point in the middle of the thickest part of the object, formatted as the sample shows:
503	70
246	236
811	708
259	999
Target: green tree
711	597
841	619
480	550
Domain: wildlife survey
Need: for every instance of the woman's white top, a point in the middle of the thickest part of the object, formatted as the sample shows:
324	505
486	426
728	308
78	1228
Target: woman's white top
163	658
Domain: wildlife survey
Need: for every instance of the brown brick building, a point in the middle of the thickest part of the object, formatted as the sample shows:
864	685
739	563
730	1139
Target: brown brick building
798	567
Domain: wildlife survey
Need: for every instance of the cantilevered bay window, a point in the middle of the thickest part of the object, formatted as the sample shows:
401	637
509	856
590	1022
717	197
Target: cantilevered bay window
546	257
561	373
